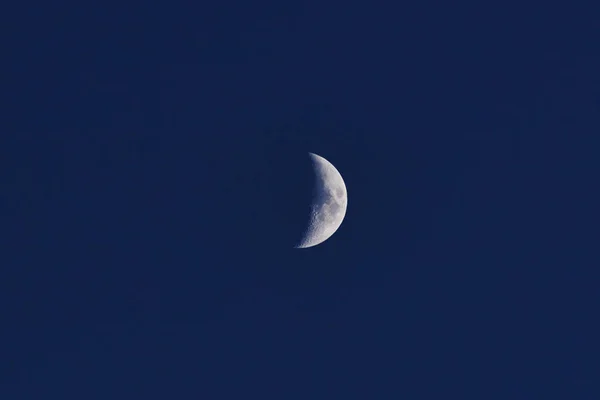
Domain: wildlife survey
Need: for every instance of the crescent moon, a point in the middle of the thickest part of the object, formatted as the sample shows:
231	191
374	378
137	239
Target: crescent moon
330	201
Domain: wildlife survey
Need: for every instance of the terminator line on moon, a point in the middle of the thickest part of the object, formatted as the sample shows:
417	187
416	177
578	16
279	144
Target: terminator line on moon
329	203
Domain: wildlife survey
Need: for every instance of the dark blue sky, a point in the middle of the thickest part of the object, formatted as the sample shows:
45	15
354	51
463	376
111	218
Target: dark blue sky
153	165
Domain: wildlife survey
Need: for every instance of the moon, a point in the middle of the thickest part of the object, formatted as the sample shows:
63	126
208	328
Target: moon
328	208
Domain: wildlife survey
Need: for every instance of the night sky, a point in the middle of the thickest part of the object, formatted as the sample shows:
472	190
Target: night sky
154	177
